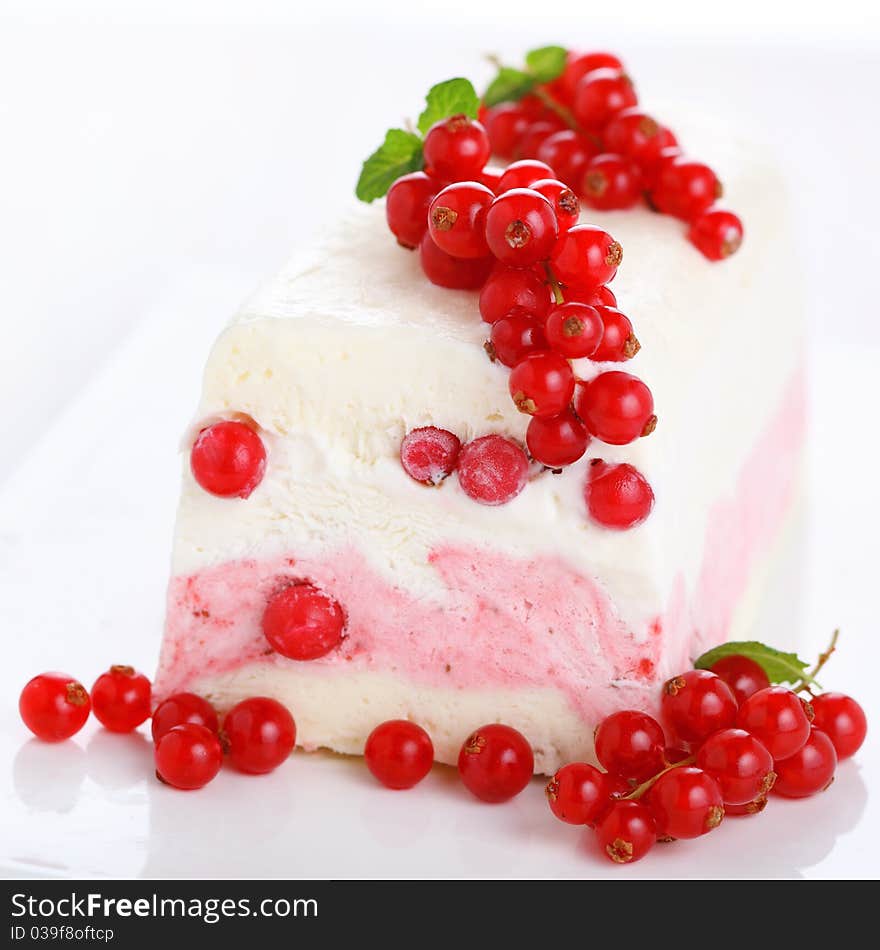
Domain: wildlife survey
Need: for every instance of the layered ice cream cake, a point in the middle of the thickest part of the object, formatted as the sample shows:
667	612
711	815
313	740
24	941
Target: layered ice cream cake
411	598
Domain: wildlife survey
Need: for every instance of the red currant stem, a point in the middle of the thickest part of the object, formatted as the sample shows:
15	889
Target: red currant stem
558	108
824	657
554	284
640	790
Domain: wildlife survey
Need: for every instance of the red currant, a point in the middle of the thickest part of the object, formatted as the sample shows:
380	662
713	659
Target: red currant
558	441
630	744
750	808
564	201
843	720
739	763
542	384
456	148
301	622
716	233
457	219
121	699
455	273
429	454
684	188
506	124
600	95
586	257
777	718
574	330
537	133
617	494
491	178
54	706
399	753
228	459
188	756
515	336
619	342
627	832
595	297
568	152
696	704
492	470
521	174
510	288
579	64
259	734
742	675
521	228
406	207
651	169
611	183
495	763
811	769
577	793
182	708
636	135
616	407
686	802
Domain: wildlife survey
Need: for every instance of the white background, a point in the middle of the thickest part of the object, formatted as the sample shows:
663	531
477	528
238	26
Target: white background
160	159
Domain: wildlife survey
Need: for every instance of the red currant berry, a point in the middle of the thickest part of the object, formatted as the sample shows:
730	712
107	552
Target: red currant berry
506	124
521	228
456	148
259	734
611	183
684	188
399	753
600	95
495	763
686	802
843	720
577	793
183	708
228	459
811	769
574	330
740	765
651	169
492	470
579	64
742	675
429	454
490	177
510	288
619	342
636	135
406	207
542	384
696	704
617	494
595	297
521	174
301	622
777	718
564	201
455	273
537	133
750	808
558	441
586	257
716	233
457	219
627	832
515	336
616	407
568	152
673	754
121	699
188	756
630	744
54	706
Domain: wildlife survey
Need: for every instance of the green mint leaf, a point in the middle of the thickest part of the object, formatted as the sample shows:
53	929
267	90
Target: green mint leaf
780	667
509	85
400	153
453	97
547	63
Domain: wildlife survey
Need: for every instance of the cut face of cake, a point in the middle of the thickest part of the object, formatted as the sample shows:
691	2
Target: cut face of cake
454	613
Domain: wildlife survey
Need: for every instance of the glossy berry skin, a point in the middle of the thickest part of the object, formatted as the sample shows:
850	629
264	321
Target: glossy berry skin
490	177
616	407
585	257
843	720
558	441
537	133
739	763
510	288
579	64
686	802
611	183
630	744
810	770
406	207
577	793
121	699
454	273
600	95
506	124
182	708
542	384
716	233
619	342
54	706
457	219
429	454
496	763
617	495
568	152
399	753
696	704
521	228
777	718
636	135
596	297
564	201
750	808
742	675
301	622
228	459
492	470
515	336
259	734
188	756
456	148
684	188
627	832
574	330
521	174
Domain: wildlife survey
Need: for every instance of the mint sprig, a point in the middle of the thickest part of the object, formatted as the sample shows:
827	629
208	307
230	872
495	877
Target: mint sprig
780	667
510	85
546	63
453	97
